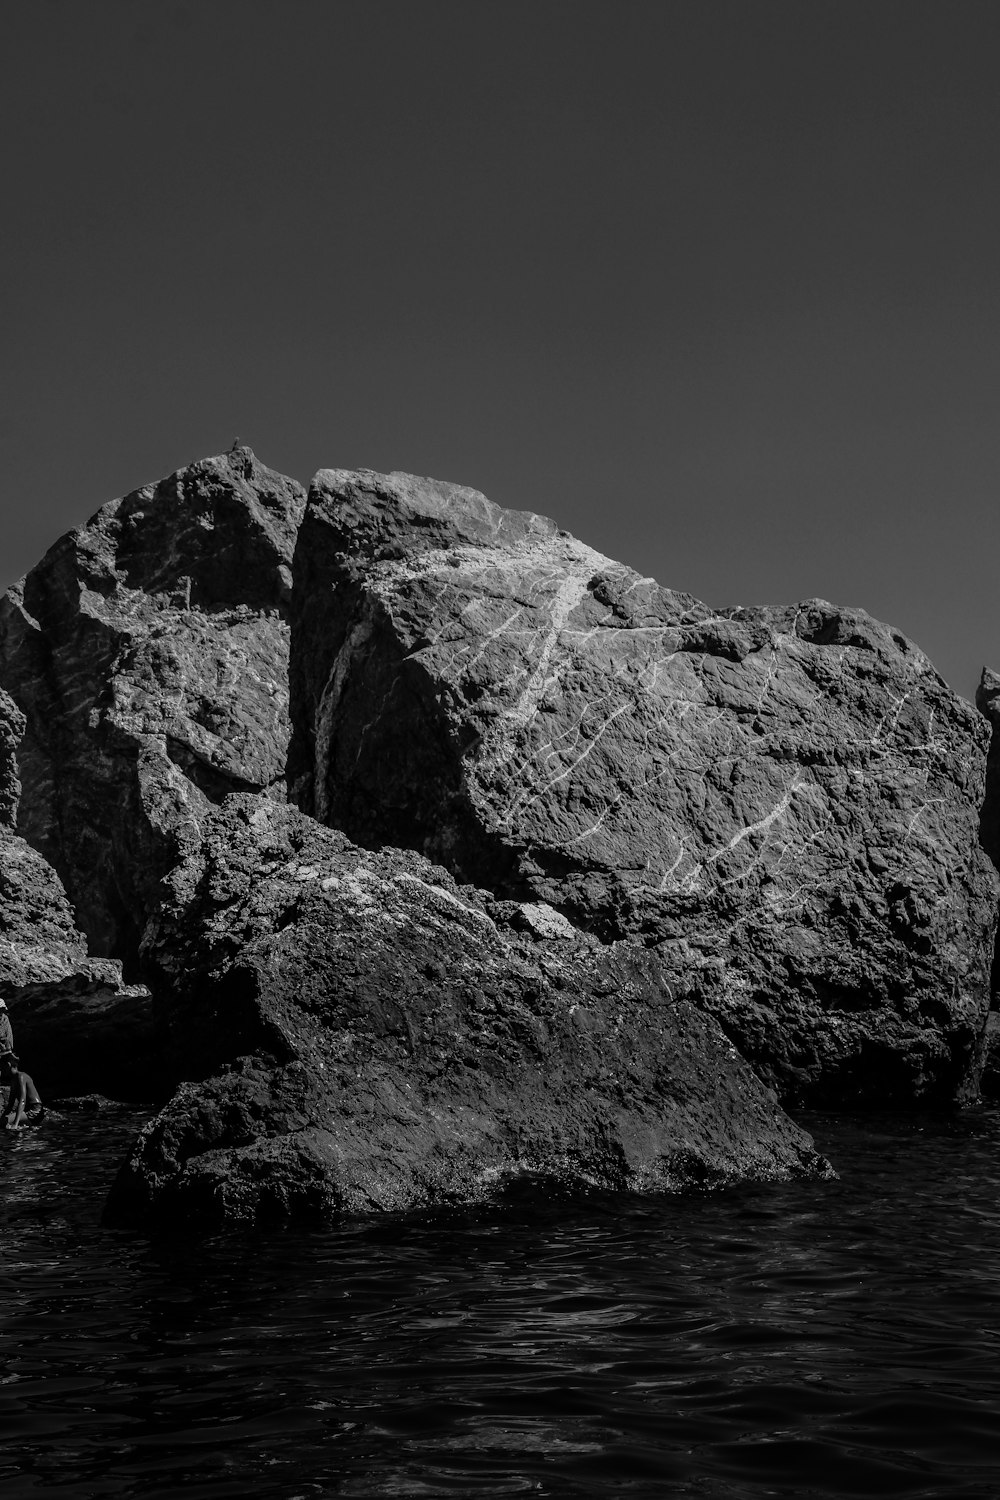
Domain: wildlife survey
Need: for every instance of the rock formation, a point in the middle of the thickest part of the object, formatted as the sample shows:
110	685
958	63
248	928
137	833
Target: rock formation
376	1036
579	868
147	654
786	797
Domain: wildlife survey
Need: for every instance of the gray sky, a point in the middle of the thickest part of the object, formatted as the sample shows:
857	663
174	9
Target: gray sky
713	282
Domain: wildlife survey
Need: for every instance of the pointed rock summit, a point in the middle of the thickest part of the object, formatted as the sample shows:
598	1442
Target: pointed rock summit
148	656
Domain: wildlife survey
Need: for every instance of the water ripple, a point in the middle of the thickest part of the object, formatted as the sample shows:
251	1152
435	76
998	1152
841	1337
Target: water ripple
808	1340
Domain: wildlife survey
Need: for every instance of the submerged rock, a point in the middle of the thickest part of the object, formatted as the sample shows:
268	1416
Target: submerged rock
147	655
360	1033
790	794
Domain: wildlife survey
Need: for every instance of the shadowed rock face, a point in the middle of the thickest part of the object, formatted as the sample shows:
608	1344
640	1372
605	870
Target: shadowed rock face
39	940
988	703
377	1037
787	797
147	654
74	1023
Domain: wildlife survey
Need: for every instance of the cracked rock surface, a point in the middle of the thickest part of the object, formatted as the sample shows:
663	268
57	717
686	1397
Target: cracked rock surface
362	1033
787	798
147	654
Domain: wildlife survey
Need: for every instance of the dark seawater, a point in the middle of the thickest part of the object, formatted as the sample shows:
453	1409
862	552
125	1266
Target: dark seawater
833	1339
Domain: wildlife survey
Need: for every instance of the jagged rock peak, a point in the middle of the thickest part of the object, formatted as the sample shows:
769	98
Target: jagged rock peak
217	533
148	655
988	693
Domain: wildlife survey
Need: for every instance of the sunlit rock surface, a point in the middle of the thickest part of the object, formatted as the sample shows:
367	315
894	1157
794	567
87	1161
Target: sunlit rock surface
39	939
147	653
786	799
377	1037
11	730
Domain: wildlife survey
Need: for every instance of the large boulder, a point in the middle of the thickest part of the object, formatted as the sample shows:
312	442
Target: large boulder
358	1032
787	796
147	653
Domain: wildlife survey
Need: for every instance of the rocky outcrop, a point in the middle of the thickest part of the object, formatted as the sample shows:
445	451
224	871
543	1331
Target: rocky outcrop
786	799
580	868
362	1033
147	654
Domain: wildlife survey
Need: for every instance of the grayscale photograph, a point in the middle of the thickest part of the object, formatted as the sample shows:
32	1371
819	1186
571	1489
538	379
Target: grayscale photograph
499	804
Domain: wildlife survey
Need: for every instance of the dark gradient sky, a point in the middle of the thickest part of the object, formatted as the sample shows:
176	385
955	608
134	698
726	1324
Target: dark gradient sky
715	284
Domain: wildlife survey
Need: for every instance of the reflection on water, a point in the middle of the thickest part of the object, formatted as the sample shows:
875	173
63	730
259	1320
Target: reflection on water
813	1340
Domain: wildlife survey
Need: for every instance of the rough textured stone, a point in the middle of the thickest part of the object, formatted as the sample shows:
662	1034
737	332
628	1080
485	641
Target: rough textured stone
11	730
39	939
786	797
147	653
376	1037
988	703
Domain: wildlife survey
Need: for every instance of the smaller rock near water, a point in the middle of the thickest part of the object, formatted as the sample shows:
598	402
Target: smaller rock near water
360	1033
